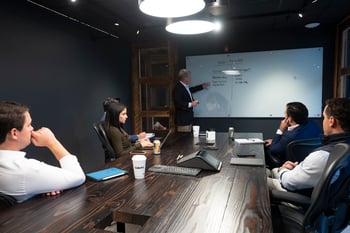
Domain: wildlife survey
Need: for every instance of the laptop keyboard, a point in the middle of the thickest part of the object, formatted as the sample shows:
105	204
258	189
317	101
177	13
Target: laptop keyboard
175	170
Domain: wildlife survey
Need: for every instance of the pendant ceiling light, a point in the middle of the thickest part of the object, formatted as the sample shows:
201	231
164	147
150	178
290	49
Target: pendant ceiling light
171	8
190	27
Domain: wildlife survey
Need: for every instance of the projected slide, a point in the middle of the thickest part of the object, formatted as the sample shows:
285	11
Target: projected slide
257	84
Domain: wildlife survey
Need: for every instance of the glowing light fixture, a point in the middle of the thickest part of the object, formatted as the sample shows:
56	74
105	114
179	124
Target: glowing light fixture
190	27
171	8
231	72
312	25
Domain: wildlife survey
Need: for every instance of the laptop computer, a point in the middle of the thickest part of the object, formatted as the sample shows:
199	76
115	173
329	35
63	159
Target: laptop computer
162	139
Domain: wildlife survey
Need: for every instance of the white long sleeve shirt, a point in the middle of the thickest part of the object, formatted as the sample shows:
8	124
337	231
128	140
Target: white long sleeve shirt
24	178
306	174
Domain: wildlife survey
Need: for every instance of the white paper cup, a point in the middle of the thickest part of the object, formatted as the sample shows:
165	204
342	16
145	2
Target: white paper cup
210	136
139	166
195	129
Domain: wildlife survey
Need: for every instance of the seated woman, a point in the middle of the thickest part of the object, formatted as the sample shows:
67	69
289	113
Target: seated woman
110	100
115	119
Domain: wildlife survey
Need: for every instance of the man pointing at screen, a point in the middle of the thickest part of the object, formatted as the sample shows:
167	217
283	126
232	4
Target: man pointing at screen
184	102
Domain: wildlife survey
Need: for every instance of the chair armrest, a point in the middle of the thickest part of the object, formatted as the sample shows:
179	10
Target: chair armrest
278	196
6	201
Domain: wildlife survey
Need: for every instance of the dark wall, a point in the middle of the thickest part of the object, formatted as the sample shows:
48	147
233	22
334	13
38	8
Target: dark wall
247	41
63	71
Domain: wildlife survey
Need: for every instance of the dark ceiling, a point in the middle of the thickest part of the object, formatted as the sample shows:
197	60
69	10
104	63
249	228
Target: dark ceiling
237	15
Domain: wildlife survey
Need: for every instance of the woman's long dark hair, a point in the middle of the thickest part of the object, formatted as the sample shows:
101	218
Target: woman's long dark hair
112	115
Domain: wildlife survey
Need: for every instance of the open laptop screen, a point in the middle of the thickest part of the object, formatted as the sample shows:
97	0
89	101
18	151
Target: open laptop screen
162	137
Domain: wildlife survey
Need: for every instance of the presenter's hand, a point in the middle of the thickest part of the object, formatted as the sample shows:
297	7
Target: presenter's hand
195	103
205	85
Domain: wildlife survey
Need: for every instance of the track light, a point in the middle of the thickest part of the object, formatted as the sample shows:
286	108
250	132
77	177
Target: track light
300	14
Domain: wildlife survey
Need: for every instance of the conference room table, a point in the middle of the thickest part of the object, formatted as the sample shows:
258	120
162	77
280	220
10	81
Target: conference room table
235	199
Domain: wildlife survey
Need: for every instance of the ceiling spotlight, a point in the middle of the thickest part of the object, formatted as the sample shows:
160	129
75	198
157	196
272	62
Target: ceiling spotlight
300	14
171	8
191	27
116	24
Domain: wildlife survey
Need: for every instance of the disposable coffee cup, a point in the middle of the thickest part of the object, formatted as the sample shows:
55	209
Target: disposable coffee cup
231	132
139	166
210	135
195	129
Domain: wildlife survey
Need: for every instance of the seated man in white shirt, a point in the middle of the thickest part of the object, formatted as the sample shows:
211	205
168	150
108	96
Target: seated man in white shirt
292	176
23	178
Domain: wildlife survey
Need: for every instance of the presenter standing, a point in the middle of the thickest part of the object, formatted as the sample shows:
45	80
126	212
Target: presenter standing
184	102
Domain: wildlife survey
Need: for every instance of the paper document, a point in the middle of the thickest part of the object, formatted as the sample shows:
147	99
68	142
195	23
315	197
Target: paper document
249	140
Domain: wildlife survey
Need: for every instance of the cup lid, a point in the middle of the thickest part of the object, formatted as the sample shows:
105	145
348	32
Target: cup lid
138	157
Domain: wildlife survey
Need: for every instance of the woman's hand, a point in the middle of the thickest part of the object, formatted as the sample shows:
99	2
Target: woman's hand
142	135
146	143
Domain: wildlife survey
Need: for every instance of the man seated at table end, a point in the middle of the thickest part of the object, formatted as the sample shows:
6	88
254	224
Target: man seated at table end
24	178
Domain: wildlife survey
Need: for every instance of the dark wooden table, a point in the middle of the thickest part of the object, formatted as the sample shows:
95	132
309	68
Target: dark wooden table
232	200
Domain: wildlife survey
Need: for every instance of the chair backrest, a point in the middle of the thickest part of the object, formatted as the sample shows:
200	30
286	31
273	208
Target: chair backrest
106	145
297	150
6	201
330	200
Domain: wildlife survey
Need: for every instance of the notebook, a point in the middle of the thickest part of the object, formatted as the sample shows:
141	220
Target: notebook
105	174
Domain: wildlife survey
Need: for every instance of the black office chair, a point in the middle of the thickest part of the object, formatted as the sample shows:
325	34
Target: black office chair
328	208
106	145
6	201
297	150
